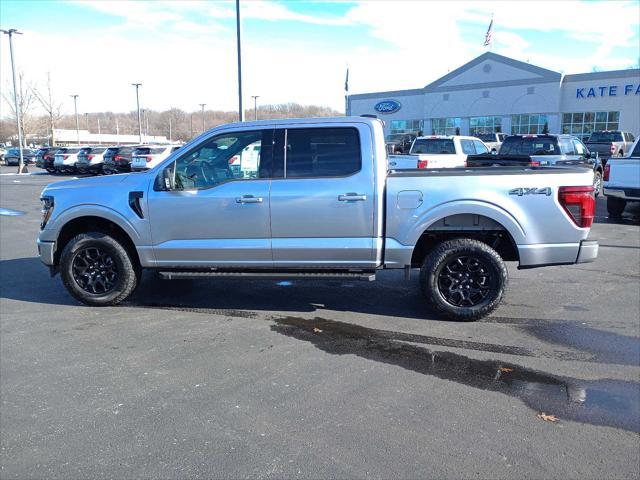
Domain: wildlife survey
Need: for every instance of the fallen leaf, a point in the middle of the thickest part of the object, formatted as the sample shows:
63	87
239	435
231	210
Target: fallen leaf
505	369
316	330
547	418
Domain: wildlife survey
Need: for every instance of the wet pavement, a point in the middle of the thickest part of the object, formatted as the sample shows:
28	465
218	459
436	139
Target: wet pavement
318	379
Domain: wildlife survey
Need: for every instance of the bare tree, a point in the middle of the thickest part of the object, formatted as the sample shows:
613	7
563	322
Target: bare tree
51	106
26	103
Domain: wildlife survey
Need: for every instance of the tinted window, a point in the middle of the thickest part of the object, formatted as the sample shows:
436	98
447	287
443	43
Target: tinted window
433	146
606	137
631	137
322	152
98	150
467	147
149	150
530	146
567	146
636	150
487	137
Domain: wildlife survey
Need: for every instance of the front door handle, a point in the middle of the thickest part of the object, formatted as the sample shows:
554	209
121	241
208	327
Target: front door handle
248	199
351	197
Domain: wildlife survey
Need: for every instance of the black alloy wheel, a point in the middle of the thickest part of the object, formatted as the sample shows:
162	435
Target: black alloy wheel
95	271
464	281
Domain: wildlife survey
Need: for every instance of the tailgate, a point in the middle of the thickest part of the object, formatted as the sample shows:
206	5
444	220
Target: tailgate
625	172
402	162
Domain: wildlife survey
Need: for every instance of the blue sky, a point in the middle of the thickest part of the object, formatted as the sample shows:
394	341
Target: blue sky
184	52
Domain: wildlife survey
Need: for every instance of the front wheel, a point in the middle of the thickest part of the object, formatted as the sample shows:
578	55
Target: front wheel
463	279
97	270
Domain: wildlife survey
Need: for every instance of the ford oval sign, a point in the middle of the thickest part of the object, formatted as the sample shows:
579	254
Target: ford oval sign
387	106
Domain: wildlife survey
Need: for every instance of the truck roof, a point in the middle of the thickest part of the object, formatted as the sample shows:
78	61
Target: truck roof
289	121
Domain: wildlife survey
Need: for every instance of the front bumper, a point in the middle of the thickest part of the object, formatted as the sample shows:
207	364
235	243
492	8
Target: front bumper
46	251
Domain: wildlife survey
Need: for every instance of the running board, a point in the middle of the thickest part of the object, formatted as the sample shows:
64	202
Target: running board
366	276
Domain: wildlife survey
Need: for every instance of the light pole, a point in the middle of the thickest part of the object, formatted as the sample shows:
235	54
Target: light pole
239	38
255	106
22	168
137	85
202	106
75	108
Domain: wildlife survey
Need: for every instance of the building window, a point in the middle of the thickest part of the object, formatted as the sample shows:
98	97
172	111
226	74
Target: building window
406	126
446	126
584	123
528	123
480	125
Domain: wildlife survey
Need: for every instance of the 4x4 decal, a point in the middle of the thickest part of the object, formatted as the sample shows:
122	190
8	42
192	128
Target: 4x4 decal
531	191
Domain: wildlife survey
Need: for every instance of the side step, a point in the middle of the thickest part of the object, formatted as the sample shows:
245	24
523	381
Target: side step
366	276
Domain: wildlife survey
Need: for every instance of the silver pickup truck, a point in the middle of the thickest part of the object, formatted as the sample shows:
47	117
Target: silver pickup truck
313	198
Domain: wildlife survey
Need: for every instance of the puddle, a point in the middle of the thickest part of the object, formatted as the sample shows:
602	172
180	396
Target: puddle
607	402
11	213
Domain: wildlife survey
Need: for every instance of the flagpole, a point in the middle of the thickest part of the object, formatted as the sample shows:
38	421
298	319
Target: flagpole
346	93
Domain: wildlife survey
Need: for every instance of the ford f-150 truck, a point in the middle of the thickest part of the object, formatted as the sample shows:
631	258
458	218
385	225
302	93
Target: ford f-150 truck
316	201
610	144
622	181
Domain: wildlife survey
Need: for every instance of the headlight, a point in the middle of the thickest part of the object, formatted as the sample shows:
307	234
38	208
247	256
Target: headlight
47	210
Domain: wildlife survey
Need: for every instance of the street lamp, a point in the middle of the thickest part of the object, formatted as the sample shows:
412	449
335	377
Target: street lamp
22	168
75	108
137	85
239	39
202	105
255	106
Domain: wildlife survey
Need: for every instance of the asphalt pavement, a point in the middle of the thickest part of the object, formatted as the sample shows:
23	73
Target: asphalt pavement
234	378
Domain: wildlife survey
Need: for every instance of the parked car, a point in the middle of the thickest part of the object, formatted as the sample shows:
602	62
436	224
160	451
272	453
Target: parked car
117	159
45	157
65	159
492	140
148	156
12	157
319	203
610	143
90	159
556	150
438	151
399	143
622	181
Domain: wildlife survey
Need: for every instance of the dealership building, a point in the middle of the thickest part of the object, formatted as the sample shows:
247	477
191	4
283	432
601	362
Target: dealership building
493	93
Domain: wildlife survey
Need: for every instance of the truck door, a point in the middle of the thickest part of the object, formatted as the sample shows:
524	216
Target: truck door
322	198
212	208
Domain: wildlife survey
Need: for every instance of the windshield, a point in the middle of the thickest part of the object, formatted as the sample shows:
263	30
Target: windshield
436	146
149	150
487	137
606	137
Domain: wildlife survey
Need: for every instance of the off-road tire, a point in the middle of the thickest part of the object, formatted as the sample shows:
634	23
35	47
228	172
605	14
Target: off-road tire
447	251
126	279
615	206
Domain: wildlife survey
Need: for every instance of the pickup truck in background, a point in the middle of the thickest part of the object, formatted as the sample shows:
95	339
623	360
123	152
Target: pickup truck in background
399	143
493	141
318	201
622	181
610	144
438	151
556	150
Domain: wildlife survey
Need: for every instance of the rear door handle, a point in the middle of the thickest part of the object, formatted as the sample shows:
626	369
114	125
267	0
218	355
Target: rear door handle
248	199
351	197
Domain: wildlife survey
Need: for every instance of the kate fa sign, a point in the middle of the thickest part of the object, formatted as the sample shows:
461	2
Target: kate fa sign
608	91
387	106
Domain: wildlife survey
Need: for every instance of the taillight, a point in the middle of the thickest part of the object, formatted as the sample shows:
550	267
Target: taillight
579	203
149	158
65	157
613	149
89	157
423	163
534	163
607	172
117	158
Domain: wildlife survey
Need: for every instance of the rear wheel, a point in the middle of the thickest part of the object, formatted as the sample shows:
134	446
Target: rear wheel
97	270
463	279
615	206
597	182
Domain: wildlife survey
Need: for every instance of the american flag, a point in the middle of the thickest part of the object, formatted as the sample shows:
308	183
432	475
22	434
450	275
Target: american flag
487	37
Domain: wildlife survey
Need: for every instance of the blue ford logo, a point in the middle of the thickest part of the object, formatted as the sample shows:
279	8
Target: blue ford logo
387	106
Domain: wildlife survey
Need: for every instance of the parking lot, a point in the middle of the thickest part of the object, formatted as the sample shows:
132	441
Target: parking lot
318	379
